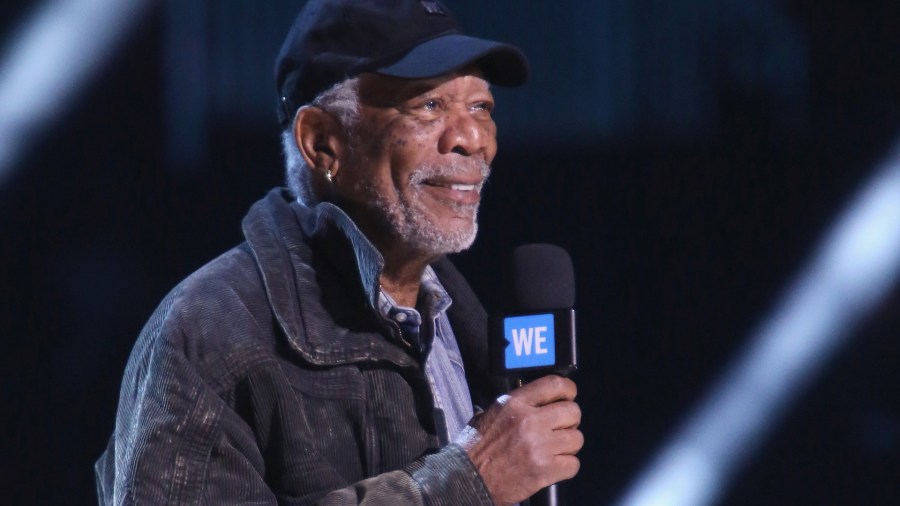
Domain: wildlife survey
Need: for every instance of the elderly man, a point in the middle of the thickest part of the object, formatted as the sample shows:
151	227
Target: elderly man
337	357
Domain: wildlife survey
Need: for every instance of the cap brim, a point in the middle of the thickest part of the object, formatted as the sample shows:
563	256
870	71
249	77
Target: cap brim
502	64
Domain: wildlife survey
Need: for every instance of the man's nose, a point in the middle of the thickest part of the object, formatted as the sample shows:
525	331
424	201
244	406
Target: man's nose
466	135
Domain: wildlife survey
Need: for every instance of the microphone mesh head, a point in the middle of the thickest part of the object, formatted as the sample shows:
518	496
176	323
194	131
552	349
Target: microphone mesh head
542	278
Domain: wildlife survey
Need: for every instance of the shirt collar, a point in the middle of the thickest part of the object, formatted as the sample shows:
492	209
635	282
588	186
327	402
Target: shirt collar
433	298
330	226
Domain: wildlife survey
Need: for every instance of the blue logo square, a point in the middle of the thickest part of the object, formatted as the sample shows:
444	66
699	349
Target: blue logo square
532	341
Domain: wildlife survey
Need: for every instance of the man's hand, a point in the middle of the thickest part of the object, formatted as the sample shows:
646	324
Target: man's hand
527	440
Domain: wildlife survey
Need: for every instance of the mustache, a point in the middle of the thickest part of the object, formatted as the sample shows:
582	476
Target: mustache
456	167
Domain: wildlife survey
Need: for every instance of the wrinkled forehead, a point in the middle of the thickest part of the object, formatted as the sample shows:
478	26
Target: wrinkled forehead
383	91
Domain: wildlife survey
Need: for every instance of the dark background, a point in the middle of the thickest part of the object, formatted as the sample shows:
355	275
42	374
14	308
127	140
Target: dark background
688	154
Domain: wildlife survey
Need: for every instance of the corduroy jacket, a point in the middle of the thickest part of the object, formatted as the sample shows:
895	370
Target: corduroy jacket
267	377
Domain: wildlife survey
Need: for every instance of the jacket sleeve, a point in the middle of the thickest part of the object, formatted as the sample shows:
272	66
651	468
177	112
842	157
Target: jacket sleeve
446	477
181	437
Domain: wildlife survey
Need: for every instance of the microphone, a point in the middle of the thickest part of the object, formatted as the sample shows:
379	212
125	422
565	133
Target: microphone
536	336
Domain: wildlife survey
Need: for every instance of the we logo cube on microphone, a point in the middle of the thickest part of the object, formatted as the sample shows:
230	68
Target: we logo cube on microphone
533	344
532	341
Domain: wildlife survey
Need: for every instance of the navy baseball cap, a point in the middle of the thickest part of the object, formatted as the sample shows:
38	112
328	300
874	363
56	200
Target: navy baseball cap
332	40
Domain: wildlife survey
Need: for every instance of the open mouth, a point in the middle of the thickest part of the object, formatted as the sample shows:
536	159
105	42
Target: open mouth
456	183
458	192
463	187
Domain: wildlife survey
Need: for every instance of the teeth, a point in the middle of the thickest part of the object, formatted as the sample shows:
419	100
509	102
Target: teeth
462	187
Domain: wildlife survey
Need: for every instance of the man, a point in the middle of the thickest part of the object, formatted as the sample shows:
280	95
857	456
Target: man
336	357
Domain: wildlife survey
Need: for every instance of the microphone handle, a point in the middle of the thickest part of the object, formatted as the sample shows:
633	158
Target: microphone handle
549	496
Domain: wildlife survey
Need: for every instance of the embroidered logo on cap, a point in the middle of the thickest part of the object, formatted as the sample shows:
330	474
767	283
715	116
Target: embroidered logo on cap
433	7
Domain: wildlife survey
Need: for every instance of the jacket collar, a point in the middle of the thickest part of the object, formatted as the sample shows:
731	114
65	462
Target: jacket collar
321	277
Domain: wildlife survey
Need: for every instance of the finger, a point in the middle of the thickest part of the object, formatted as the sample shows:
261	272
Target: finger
565	467
562	442
546	390
559	415
568	442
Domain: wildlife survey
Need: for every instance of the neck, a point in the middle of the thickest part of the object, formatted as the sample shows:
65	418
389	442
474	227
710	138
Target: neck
402	280
404	264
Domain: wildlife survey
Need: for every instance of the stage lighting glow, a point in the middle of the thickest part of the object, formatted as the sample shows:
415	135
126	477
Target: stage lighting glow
855	266
50	59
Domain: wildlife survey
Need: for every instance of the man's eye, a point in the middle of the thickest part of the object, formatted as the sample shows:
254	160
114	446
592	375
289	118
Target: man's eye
483	106
431	105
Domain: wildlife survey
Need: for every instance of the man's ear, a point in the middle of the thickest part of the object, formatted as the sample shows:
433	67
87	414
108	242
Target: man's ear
320	138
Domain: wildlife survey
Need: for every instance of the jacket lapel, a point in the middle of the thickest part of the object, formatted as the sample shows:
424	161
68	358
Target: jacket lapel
316	296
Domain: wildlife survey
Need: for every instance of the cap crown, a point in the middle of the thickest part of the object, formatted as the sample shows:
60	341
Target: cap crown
332	40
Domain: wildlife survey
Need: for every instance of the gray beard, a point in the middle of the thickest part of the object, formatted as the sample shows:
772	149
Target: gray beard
406	218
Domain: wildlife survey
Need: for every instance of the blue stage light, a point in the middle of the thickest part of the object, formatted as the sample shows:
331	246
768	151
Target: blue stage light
50	59
853	269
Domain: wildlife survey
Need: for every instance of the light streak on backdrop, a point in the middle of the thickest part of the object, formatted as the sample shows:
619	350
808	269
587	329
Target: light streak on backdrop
853	269
49	60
